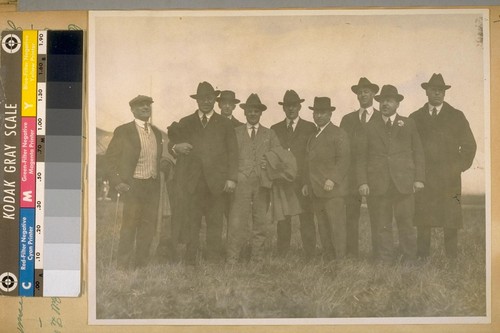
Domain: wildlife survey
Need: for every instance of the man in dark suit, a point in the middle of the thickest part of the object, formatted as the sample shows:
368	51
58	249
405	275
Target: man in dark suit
449	147
207	165
293	133
326	170
353	123
227	103
390	168
133	157
251	198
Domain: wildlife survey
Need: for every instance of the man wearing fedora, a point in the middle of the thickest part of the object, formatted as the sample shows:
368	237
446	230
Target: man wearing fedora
250	197
227	103
133	158
353	123
207	163
449	147
390	168
293	133
326	168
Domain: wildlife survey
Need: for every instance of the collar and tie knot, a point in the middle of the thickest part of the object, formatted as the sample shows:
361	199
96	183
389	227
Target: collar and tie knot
204	120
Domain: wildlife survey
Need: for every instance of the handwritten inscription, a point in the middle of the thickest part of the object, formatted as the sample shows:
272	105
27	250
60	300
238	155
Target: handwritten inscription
12	26
20	315
56	320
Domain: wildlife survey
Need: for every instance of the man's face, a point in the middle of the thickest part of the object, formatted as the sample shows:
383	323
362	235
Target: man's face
226	108
292	110
142	110
388	106
253	115
321	118
206	103
435	95
365	97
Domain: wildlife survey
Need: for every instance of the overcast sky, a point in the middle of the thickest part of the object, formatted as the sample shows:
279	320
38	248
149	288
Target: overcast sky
317	53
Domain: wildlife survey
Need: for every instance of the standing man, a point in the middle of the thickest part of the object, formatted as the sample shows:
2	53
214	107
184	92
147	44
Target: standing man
326	171
207	164
449	148
250	198
353	123
293	133
227	103
390	168
133	157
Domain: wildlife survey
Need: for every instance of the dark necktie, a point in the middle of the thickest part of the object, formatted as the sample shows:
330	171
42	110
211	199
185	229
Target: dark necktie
388	125
363	116
146	127
434	112
204	120
289	132
252	135
318	129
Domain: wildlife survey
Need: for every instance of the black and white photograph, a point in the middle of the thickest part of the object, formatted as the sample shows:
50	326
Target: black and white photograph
289	167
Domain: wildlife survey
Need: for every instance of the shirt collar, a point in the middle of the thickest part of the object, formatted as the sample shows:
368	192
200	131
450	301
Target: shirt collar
369	111
140	123
393	117
438	108
249	127
209	115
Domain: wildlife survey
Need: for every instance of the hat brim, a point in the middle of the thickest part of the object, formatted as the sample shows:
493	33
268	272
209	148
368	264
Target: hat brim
196	96
398	97
291	103
261	107
426	85
323	109
373	87
235	101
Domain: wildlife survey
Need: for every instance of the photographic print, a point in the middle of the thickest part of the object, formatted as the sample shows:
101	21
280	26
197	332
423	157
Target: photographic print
289	167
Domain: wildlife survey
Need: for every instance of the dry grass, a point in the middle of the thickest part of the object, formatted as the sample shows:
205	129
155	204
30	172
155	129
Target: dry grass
289	288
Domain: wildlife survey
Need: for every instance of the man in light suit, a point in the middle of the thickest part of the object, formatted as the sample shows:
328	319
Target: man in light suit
449	147
227	103
353	123
326	170
293	133
207	163
133	157
250	197
390	168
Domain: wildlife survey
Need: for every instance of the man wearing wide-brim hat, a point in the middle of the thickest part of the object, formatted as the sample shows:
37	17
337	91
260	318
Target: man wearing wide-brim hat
133	158
353	123
293	133
390	168
449	147
326	168
250	197
227	102
207	164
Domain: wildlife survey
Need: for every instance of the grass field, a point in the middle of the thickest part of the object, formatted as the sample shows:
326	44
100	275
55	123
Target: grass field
289	288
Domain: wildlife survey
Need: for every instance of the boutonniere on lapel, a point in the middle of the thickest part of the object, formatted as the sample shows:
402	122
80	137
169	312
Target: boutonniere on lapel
401	123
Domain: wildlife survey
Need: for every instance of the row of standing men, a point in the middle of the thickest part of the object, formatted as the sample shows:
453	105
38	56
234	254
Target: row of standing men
408	168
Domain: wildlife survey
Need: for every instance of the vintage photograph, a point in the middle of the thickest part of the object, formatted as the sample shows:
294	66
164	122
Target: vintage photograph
289	167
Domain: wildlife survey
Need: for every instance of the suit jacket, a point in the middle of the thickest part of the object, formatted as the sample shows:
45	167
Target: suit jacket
235	122
353	126
328	157
396	157
251	152
297	143
214	154
123	153
449	148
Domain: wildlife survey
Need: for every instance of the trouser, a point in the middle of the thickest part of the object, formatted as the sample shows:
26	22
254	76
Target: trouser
307	234
249	199
384	208
205	203
353	212
140	211
424	241
330	213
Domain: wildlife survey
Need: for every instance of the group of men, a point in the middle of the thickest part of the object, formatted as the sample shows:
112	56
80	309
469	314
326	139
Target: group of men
408	168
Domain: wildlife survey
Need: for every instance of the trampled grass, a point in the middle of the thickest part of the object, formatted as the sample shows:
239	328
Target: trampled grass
287	287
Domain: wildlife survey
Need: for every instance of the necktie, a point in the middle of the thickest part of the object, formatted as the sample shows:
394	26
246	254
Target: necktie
434	112
388	125
204	120
146	127
252	135
290	127
318	129
363	116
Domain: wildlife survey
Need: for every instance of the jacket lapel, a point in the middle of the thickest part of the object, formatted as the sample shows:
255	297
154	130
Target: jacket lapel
380	128
395	126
